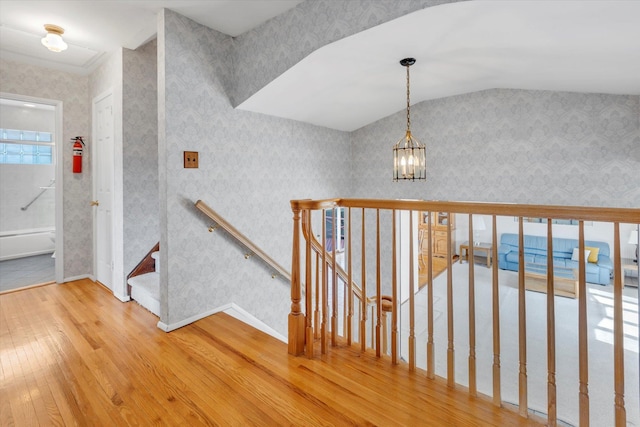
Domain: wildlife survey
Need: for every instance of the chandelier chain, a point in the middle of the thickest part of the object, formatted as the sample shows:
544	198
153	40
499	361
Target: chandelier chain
408	103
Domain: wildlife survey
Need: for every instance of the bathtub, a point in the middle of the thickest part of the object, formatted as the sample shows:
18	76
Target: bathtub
24	243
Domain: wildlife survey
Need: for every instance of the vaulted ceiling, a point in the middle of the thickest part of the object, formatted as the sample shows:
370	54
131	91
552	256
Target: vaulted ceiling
581	46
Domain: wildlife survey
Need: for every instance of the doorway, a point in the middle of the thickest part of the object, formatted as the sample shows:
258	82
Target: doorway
103	161
30	191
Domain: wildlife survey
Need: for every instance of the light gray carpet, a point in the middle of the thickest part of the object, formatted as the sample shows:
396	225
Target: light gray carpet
600	317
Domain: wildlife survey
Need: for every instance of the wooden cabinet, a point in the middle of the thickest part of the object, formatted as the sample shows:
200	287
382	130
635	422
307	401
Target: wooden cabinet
439	221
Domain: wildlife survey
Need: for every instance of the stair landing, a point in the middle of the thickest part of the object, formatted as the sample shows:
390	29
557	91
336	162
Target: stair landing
348	387
70	360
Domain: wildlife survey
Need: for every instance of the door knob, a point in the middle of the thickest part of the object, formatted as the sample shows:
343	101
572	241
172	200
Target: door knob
95	203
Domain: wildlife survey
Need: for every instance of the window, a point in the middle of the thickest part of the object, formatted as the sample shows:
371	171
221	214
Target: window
25	154
26	147
339	227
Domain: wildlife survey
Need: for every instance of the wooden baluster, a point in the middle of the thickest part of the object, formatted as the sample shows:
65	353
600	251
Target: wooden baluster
618	332
412	302
349	283
325	273
296	318
551	332
583	346
373	329
378	287
334	281
363	302
451	379
497	398
308	295
385	343
345	309
394	293
430	350
522	324
473	390
316	314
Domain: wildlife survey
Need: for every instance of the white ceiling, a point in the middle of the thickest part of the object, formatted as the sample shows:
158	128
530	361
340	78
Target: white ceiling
564	45
94	29
580	46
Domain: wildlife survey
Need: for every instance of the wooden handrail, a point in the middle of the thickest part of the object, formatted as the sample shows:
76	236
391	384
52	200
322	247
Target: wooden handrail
372	305
242	239
316	246
581	213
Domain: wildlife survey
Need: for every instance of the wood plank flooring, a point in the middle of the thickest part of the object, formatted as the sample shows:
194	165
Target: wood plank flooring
73	354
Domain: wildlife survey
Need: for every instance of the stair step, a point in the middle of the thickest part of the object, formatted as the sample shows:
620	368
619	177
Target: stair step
156	256
145	290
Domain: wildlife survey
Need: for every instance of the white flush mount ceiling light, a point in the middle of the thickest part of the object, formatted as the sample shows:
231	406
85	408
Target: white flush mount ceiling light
53	40
409	161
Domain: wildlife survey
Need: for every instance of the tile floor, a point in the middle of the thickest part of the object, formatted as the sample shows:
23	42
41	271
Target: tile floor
17	273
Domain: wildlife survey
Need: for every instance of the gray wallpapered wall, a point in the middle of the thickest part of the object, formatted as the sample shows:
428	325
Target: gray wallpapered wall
72	90
140	153
517	146
251	166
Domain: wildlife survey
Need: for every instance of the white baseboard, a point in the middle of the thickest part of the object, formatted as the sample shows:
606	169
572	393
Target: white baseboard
173	326
231	309
80	277
244	316
123	298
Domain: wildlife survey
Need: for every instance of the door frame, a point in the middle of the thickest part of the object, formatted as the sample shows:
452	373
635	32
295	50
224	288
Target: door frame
118	279
59	174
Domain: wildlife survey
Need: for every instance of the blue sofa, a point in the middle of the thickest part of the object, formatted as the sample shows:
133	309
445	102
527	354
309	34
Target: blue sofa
535	251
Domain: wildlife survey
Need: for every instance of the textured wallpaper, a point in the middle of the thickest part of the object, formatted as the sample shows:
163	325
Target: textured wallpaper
72	90
264	53
251	166
140	153
516	146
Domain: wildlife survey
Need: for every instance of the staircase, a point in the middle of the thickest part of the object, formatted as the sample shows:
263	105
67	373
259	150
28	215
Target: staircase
145	287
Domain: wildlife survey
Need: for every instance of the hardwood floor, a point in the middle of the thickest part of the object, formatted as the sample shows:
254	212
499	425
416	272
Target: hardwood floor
439	266
73	354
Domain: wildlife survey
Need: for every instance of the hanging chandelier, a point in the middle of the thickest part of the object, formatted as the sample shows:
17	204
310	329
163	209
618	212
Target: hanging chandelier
409	159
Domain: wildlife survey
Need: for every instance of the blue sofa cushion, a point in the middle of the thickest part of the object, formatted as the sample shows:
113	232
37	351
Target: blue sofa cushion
535	251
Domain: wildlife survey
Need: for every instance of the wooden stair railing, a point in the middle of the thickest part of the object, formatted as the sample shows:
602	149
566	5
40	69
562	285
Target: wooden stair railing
146	265
352	291
306	326
246	242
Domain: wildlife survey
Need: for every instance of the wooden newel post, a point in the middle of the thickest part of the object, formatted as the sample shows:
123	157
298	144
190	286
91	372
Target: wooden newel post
296	317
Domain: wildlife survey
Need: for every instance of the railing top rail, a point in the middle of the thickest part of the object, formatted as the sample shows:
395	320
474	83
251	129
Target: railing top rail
580	213
242	238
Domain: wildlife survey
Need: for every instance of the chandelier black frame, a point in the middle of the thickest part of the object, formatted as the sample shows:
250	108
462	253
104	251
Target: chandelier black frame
409	154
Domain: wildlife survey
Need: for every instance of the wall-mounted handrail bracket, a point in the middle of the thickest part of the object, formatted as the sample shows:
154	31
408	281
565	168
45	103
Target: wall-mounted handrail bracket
248	244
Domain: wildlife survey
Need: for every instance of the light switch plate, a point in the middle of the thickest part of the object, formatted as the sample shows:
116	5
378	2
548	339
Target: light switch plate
190	159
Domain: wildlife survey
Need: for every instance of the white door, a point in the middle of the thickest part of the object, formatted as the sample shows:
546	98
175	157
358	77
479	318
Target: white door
103	189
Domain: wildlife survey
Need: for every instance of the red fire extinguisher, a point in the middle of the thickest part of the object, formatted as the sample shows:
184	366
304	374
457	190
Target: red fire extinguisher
78	146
